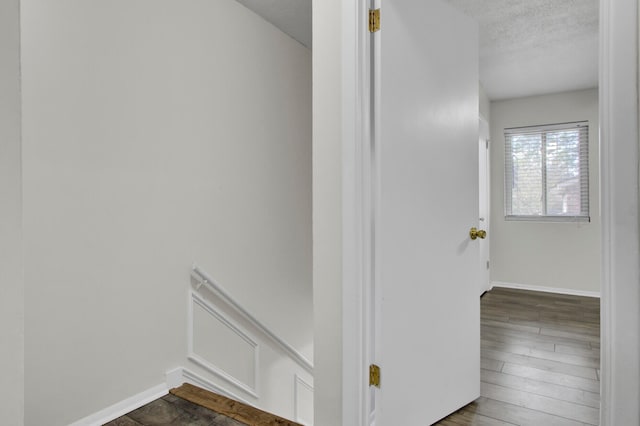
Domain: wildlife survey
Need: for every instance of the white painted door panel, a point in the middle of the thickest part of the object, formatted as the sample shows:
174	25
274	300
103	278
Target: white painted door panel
428	341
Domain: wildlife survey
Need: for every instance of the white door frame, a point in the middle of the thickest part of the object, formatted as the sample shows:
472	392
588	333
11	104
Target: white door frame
484	165
357	266
620	372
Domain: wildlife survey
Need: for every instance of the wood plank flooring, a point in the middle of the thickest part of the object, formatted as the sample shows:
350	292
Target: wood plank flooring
189	405
540	361
228	407
172	410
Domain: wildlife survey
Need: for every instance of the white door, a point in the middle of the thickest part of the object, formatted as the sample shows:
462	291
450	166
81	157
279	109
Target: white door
484	201
428	334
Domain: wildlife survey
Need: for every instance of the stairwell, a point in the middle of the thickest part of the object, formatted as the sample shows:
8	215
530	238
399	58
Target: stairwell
194	406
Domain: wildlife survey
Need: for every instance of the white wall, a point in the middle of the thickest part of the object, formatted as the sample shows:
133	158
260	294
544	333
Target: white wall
557	255
484	103
156	133
11	279
327	212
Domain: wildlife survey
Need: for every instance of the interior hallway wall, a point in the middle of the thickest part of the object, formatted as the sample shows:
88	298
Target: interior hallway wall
157	133
484	103
327	212
557	255
11	279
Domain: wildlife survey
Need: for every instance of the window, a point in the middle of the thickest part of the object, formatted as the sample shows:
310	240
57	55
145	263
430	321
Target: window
547	172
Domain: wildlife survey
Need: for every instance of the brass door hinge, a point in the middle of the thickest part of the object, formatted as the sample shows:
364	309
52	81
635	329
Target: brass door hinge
374	20
374	375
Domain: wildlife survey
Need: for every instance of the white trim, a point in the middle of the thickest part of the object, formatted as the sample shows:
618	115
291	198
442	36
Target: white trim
297	382
545	127
123	407
620	322
174	378
182	375
235	328
202	278
356	213
483	122
198	360
606	393
545	289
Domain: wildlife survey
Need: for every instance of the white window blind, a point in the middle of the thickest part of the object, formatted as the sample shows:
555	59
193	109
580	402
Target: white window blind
547	172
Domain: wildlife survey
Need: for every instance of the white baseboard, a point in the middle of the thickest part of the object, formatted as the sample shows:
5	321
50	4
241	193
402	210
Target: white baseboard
182	375
123	407
545	289
174	378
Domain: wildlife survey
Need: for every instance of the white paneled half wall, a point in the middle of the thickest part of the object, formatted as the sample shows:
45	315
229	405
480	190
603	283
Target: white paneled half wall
242	358
222	347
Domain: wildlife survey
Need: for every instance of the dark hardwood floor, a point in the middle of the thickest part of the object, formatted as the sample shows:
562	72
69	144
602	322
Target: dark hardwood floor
189	405
540	361
172	410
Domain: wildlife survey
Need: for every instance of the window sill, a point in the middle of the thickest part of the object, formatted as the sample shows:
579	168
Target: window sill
558	219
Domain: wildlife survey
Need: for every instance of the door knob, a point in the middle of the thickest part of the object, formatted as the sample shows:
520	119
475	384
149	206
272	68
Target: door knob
477	233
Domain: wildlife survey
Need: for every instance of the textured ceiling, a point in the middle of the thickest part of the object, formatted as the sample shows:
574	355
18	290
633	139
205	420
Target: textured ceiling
530	47
527	47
